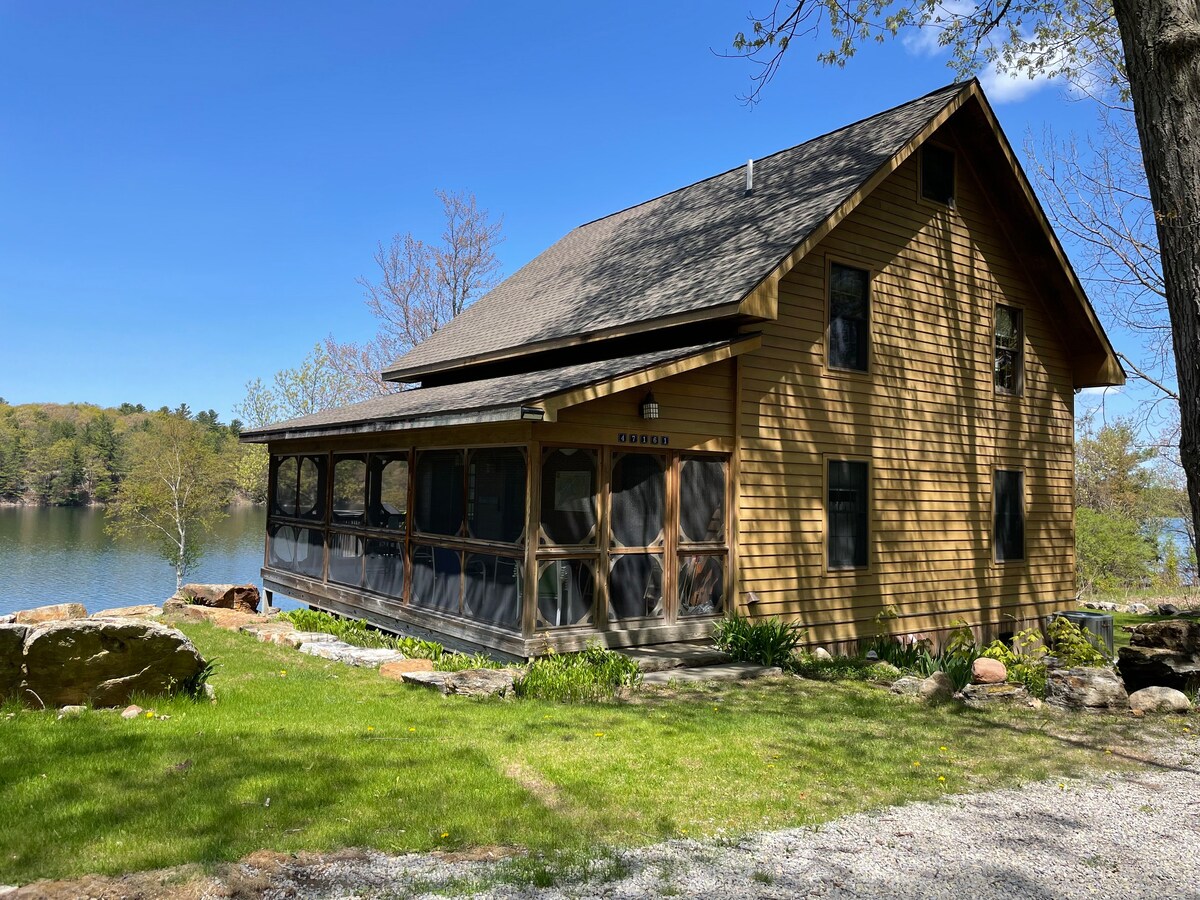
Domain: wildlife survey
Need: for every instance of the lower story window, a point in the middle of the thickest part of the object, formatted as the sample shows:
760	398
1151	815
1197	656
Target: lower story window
847	507
1009	512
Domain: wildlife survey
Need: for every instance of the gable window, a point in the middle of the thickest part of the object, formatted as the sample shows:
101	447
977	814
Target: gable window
1010	337
1009	513
937	174
849	317
846	509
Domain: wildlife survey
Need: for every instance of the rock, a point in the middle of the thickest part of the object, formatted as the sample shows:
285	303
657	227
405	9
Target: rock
372	657
1099	605
299	638
1139	609
132	711
263	630
242	597
145	611
1143	667
469	682
1159	699
822	654
1173	634
8	619
1085	688
937	688
210	693
335	650
175	610
1167	609
396	669
56	613
986	693
12	649
908	686
73	711
988	671
103	662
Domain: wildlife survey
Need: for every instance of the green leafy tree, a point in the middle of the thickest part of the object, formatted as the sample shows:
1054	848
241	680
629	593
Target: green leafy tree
1112	551
174	490
1111	471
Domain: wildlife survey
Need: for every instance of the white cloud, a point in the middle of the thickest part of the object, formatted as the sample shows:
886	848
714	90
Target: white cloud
1004	88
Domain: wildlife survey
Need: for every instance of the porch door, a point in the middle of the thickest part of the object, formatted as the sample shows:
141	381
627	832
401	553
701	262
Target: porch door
637	536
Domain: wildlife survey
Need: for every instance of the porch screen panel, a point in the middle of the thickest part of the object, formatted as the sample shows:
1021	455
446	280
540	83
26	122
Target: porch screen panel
702	500
286	472
384	567
345	559
566	590
436	578
297	549
638	499
388	491
568	514
701	584
439	493
492	589
349	491
496	495
635	586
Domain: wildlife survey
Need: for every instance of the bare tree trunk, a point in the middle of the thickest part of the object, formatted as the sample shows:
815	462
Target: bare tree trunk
1161	39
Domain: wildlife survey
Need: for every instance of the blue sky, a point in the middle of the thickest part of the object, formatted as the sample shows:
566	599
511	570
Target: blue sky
188	191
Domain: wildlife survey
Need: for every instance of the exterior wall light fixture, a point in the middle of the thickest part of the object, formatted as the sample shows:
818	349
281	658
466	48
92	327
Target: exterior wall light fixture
650	407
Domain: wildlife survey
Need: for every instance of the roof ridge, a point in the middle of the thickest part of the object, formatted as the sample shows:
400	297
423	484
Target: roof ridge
946	87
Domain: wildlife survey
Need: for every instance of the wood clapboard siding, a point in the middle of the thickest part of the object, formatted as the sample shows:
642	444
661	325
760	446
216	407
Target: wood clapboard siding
926	417
693	404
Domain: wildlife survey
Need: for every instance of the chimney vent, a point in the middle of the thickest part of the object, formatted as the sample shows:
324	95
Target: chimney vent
749	177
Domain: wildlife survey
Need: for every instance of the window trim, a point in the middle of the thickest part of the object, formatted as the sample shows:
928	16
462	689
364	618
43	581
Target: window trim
921	198
832	260
826	459
1019	388
1020	471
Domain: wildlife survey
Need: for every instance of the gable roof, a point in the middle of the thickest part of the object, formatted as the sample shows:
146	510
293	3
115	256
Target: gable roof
532	395
698	252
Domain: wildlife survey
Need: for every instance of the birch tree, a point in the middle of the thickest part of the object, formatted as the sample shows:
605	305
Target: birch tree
173	492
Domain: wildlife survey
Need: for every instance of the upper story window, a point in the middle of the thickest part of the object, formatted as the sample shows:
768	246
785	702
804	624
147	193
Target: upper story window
1010	338
849	318
937	174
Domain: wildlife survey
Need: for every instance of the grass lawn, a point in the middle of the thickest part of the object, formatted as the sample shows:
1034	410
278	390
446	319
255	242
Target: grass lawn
302	754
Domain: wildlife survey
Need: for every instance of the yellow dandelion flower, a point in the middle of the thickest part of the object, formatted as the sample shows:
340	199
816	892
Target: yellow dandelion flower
412	729
916	764
149	714
770	765
943	749
599	734
1062	787
370	728
445	834
942	778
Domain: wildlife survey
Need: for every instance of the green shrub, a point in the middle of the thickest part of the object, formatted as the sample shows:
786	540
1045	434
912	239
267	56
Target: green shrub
1072	645
916	658
767	642
840	668
593	674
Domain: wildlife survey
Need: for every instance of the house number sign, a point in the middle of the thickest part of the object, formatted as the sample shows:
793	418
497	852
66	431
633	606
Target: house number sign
629	437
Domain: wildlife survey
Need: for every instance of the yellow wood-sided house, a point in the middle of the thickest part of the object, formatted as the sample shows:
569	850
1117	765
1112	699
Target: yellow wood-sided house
835	385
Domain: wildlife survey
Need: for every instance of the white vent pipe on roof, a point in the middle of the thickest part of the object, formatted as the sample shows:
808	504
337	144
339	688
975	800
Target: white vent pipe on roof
749	177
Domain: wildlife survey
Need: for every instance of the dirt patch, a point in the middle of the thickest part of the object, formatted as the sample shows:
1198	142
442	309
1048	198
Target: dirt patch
179	883
545	791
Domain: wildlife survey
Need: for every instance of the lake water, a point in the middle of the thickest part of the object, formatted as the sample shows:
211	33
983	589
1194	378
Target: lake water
60	555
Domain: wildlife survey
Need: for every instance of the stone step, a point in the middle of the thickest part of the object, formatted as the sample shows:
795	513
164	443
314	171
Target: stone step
699	674
680	655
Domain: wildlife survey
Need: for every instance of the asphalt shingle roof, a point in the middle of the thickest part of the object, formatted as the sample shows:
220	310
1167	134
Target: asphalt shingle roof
487	400
703	246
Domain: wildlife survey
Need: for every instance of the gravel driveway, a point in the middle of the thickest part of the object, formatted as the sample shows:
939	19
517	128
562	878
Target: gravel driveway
1135	835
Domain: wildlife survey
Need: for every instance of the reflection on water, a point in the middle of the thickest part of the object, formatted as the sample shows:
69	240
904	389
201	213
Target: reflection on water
60	555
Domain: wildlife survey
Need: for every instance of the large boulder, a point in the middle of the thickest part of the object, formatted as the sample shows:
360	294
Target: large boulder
992	693
55	613
469	682
1173	634
242	597
1085	688
142	611
1159	699
1143	667
986	670
12	648
103	662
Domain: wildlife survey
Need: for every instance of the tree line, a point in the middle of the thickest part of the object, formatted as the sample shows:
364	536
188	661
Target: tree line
75	454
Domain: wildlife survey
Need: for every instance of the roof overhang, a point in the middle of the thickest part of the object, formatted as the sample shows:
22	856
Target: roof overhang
548	393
